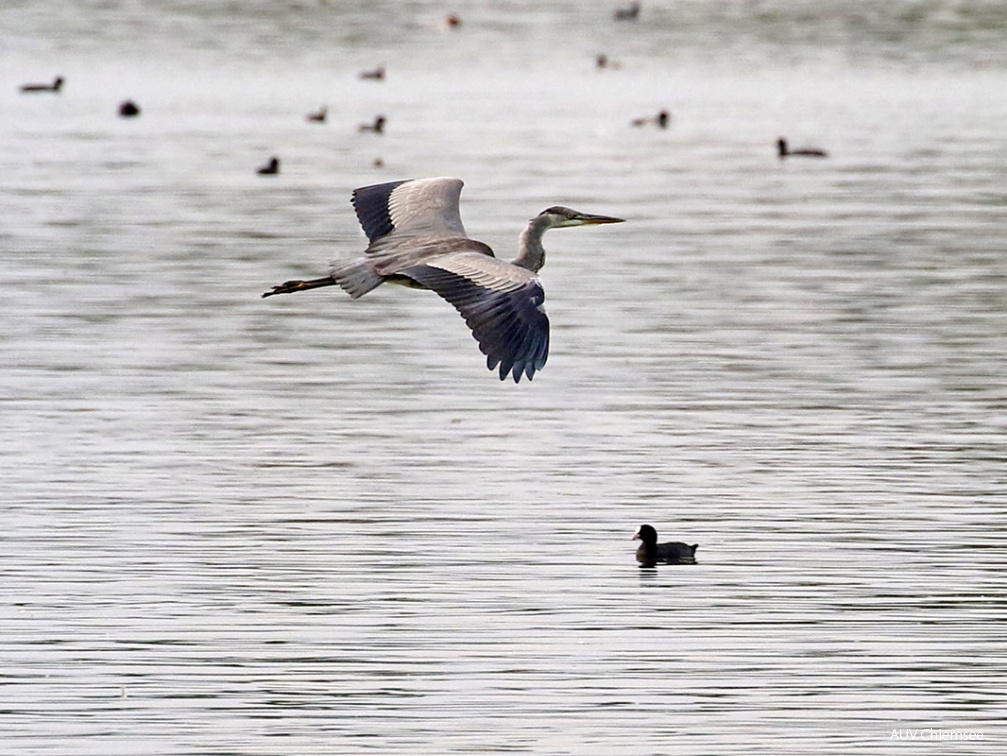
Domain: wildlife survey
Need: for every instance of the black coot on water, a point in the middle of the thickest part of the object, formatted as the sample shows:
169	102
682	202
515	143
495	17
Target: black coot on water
651	552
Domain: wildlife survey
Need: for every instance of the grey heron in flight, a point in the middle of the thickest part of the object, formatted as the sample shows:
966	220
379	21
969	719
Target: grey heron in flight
417	240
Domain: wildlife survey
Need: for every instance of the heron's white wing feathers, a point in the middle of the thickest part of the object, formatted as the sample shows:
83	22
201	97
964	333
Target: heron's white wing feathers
501	303
404	209
485	271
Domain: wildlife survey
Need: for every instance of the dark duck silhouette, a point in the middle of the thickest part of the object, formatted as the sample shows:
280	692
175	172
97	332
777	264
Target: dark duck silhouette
128	109
650	552
56	85
602	62
784	151
378	127
318	116
661	120
271	168
374	74
628	12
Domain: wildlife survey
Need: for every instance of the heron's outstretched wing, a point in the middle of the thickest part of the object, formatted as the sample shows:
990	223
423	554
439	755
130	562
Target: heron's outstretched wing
501	303
409	209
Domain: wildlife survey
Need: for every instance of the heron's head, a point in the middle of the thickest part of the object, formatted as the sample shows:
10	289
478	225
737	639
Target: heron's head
564	217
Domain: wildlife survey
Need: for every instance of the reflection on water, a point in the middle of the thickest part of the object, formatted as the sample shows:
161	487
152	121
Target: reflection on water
318	525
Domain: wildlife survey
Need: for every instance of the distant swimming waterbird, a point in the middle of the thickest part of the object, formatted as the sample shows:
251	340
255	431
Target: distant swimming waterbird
374	74
271	168
56	86
783	150
603	63
661	120
417	240
650	552
377	127
318	116
128	109
627	12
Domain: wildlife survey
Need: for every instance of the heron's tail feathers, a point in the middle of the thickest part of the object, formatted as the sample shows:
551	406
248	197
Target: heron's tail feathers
357	277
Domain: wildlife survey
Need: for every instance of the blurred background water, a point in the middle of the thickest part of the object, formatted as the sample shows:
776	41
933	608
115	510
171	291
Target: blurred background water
311	525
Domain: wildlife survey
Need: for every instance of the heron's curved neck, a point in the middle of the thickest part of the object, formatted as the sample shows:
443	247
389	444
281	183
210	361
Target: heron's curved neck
532	253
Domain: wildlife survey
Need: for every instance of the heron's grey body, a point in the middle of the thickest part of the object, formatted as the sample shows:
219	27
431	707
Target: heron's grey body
417	239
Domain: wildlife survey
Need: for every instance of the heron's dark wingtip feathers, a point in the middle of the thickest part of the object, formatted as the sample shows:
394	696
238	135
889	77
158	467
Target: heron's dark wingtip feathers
510	326
513	331
371	206
507	368
515	370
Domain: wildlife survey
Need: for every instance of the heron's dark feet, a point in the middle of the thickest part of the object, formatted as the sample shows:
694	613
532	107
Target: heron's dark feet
286	288
291	286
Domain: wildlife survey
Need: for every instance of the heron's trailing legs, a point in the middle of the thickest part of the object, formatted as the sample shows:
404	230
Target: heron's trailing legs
292	286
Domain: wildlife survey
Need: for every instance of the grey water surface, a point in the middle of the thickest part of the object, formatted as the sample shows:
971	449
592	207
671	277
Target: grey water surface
312	525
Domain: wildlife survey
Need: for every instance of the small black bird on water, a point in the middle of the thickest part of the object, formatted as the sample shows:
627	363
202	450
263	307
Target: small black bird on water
56	85
650	552
627	12
602	62
129	109
661	120
378	127
784	151
271	168
375	74
319	116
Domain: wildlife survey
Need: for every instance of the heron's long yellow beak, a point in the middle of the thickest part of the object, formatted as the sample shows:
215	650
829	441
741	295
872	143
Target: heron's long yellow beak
594	220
